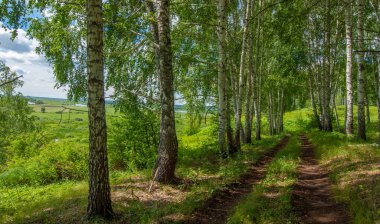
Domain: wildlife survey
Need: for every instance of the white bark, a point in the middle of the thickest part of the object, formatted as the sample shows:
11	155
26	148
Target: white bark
349	104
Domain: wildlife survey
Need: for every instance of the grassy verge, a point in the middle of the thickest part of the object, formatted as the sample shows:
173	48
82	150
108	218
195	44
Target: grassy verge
354	169
270	201
199	165
20	203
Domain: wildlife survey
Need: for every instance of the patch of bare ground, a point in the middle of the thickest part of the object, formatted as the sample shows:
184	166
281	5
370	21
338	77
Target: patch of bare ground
218	207
140	191
312	196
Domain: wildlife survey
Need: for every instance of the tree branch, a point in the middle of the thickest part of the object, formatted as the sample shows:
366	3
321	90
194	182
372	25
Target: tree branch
10	81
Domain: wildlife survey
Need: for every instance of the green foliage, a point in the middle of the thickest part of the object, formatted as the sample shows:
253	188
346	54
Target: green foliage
15	114
43	109
133	141
33	164
20	202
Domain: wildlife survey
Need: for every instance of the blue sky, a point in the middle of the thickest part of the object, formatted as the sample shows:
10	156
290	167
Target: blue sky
20	56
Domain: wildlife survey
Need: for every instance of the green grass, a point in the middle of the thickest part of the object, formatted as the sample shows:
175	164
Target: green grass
269	201
199	165
355	164
66	202
354	169
21	203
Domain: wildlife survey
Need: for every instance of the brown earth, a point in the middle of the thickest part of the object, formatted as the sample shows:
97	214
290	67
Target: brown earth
312	197
218	207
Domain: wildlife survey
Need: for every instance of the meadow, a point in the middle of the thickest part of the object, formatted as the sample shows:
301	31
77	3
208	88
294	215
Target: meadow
45	181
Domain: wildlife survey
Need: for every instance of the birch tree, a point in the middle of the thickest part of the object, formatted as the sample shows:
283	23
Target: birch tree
239	100
349	91
99	198
164	171
222	76
361	87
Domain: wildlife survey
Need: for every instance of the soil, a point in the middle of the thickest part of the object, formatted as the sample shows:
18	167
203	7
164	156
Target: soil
219	206
312	197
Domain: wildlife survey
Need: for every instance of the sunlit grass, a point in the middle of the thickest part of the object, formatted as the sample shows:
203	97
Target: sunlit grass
353	165
199	165
354	168
269	201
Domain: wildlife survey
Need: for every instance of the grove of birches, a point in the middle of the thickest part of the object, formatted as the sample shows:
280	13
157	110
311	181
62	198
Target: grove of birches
237	67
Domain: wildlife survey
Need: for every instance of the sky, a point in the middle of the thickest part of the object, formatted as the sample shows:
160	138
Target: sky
21	57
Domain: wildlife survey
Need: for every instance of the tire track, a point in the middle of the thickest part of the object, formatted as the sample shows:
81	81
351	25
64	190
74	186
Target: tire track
312	197
218	207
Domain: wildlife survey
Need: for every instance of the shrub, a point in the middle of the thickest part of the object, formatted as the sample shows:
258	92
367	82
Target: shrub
55	161
133	141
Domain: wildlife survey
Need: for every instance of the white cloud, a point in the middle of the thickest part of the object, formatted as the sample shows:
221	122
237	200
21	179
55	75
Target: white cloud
20	56
37	74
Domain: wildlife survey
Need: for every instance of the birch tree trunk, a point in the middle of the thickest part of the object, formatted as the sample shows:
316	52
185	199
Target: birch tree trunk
99	197
230	132
350	100
257	87
378	94
361	88
222	76
368	115
312	98
270	114
250	81
311	78
164	171
334	104
280	122
248	101
239	99
154	30
327	79
335	87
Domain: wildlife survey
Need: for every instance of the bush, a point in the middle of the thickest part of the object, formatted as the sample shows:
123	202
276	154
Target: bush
133	141
43	109
55	161
39	102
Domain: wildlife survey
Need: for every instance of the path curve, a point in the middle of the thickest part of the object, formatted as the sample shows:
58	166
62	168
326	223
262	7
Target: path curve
312	197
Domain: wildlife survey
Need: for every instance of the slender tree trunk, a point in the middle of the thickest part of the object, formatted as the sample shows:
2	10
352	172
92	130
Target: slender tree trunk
168	147
239	99
334	103
315	110
154	31
248	108
281	112
222	76
230	132
378	93
250	82
336	114
368	114
311	78
270	114
361	88
350	100
335	87
257	95
327	80
99	198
